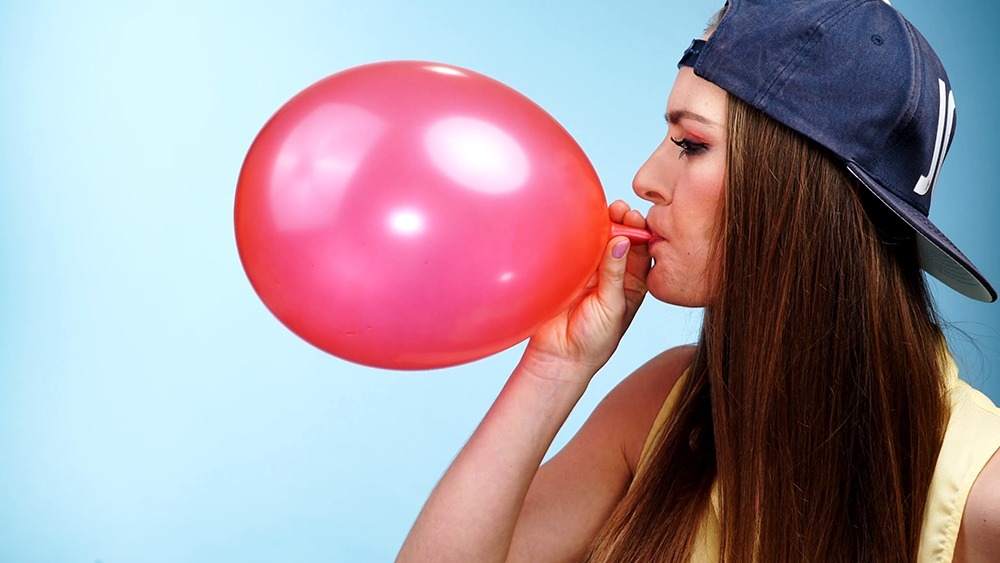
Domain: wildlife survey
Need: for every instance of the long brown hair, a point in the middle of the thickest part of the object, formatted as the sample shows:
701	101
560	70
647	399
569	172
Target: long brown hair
815	402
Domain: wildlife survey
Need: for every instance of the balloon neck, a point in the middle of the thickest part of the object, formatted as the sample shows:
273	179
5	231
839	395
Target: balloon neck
634	234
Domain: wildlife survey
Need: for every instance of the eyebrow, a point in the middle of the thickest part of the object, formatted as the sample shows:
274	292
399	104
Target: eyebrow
674	116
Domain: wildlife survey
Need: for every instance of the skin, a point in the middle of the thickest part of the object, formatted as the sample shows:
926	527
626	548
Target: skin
683	179
979	536
495	503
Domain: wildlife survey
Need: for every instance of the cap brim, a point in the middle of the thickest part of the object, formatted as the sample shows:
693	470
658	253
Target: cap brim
939	257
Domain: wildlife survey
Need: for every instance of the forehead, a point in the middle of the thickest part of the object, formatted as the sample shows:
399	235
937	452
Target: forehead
692	94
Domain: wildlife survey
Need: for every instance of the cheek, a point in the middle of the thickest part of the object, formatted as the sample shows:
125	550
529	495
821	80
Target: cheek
708	175
683	273
695	215
697	212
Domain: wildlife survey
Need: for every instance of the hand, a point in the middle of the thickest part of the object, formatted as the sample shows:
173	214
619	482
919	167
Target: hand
588	331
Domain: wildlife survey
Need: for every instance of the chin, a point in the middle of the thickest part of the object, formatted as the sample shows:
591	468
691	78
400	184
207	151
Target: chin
679	288
674	295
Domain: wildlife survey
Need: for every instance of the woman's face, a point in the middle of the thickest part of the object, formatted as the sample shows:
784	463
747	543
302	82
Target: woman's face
683	178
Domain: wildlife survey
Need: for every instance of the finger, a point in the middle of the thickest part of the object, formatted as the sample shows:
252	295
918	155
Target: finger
592	281
617	210
611	278
636	269
634	218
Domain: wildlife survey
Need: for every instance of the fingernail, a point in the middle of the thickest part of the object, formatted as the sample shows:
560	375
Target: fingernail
619	250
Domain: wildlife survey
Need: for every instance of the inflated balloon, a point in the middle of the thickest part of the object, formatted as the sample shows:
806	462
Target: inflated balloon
414	215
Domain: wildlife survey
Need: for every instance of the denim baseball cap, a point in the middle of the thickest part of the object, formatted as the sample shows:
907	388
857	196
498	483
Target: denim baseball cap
856	77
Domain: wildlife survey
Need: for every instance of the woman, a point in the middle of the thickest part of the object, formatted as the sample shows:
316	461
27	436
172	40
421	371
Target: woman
819	417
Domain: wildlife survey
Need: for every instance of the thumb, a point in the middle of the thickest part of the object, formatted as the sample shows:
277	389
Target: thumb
611	278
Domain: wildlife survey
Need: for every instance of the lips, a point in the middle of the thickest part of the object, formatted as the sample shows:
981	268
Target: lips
655	238
654	219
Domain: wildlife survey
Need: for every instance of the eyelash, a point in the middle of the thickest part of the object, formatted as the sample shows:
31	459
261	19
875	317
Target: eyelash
689	148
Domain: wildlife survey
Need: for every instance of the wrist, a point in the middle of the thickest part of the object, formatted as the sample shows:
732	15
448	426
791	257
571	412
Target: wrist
556	371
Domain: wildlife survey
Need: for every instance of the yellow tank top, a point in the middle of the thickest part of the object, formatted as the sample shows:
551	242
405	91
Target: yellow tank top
971	438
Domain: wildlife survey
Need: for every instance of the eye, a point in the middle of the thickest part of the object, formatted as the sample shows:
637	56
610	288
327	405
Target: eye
689	148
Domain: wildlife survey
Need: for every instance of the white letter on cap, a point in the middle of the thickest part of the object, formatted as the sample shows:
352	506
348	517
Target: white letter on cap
946	121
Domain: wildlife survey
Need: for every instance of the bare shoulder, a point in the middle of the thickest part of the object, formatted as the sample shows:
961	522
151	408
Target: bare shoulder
635	402
979	536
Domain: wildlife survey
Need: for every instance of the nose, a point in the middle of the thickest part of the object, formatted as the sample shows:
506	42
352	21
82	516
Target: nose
650	182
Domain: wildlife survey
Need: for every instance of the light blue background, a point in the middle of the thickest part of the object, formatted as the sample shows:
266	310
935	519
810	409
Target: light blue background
151	409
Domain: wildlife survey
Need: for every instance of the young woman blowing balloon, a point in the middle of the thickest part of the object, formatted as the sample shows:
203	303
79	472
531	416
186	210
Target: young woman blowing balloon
820	416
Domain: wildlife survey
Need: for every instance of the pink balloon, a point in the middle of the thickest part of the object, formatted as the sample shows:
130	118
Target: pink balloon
414	215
